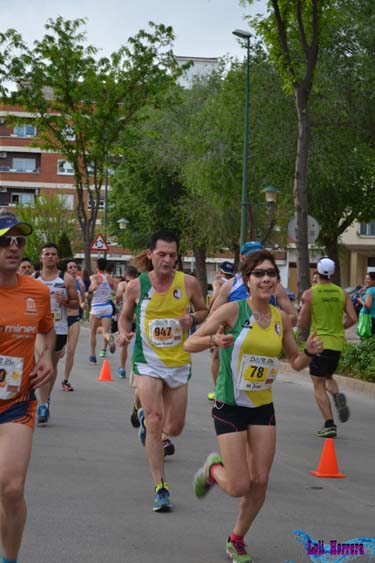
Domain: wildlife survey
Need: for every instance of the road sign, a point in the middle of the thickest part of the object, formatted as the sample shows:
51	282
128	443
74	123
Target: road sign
313	229
99	243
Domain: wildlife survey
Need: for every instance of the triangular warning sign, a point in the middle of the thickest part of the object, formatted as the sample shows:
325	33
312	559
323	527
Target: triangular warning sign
99	243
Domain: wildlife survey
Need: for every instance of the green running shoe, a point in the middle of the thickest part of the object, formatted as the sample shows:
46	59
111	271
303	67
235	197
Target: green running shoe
327	432
102	354
162	500
236	551
201	484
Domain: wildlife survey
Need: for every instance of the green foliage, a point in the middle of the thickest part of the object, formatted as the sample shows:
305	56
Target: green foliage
358	360
50	218
64	246
82	103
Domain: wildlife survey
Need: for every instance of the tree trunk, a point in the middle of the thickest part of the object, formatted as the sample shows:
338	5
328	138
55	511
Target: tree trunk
200	266
300	191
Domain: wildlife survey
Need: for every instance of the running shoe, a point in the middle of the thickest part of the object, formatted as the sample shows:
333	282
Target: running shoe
236	551
121	373
201	482
142	426
168	446
103	354
327	432
92	360
43	413
134	418
162	500
341	406
112	344
211	396
66	385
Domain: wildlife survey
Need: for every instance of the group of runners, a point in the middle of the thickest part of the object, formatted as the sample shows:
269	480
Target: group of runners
164	311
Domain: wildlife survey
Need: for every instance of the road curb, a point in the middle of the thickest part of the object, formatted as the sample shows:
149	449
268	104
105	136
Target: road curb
345	382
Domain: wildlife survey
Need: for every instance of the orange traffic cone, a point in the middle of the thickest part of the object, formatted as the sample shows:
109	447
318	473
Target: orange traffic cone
328	464
105	374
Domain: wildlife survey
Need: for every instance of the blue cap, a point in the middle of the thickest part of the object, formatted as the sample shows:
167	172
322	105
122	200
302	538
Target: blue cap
249	247
8	221
227	268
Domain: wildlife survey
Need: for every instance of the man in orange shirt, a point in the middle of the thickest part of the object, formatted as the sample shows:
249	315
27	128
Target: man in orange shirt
25	312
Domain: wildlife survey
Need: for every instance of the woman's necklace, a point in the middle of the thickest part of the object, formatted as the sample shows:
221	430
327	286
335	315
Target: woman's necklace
263	318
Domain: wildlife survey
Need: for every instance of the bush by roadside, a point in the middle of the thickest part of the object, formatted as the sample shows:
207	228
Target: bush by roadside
358	360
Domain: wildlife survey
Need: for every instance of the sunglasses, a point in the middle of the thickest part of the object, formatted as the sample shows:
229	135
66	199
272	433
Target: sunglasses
8	241
260	273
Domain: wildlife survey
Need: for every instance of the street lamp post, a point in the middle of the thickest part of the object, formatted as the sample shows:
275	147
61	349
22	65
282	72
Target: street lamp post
105	208
244	197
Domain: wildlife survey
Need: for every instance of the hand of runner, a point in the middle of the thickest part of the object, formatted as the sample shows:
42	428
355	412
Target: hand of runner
223	340
124	338
186	321
42	372
314	344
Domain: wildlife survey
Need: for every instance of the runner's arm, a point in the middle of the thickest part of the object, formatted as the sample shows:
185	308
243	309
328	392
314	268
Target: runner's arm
222	296
299	360
125	320
350	314
304	314
43	370
196	299
285	304
211	333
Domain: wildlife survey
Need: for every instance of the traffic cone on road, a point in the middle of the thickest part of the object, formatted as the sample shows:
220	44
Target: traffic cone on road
328	466
105	373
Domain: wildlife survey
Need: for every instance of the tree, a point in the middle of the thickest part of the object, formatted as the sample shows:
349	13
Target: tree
82	103
50	218
64	246
292	34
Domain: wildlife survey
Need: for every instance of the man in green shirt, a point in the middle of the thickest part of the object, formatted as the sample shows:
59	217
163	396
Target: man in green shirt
323	308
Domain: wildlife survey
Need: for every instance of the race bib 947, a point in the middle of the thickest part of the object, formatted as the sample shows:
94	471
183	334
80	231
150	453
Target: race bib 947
165	332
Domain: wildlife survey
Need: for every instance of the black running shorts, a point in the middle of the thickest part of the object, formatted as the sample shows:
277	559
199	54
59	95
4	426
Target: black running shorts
325	364
229	418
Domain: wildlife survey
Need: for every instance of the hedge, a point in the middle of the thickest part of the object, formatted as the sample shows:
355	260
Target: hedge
358	360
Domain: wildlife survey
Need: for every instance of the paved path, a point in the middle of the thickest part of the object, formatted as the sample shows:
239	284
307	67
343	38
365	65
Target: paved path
90	495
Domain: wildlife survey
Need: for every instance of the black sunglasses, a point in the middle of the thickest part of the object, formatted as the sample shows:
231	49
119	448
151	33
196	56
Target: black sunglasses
260	273
8	241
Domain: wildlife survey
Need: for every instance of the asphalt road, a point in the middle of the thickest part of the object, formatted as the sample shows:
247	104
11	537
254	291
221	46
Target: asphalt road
90	494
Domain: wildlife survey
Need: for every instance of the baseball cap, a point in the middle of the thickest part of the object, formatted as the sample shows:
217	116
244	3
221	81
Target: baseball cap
249	247
227	268
326	266
8	221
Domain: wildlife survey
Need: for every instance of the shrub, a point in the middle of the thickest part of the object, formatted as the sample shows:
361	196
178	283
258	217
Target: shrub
358	360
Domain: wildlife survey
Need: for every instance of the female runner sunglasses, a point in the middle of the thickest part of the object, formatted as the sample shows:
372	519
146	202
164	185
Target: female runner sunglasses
8	241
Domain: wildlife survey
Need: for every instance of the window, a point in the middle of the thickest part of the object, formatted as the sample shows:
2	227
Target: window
367	229
67	200
24	164
25	131
26	199
64	167
101	204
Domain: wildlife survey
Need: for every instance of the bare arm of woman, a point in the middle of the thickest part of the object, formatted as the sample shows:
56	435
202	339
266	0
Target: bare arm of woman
211	333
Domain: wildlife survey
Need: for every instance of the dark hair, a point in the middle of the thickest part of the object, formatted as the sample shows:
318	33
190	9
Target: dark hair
256	258
131	271
49	245
66	262
371	275
26	259
163	234
101	264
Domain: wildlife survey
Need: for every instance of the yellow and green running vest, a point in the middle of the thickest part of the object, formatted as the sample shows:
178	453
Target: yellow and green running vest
159	337
260	347
327	308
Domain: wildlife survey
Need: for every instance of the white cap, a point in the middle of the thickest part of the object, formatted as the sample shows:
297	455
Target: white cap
326	267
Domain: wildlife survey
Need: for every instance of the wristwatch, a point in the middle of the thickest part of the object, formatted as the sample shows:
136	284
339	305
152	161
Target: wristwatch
305	351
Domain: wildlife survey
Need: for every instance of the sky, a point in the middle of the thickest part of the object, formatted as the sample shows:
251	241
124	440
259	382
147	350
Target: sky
203	28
